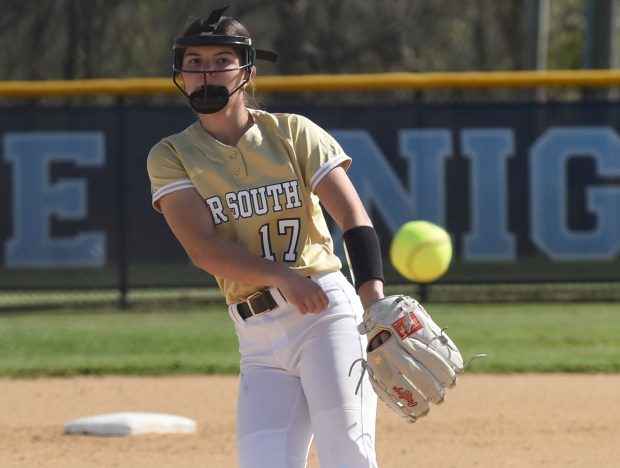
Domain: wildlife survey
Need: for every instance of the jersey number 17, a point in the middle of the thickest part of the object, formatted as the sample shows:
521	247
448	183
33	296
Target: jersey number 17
292	225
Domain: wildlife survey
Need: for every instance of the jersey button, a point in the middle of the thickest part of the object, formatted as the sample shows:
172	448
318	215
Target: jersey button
237	171
233	154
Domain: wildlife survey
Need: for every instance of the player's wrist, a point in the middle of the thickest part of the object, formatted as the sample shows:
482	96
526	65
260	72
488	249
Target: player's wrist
370	292
280	276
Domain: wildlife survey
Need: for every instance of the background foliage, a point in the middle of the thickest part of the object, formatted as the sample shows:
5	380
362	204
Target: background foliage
69	39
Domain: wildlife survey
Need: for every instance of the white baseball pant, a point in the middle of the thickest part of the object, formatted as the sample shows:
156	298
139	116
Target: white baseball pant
294	384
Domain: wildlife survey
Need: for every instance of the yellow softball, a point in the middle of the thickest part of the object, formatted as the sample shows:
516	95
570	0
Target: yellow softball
421	251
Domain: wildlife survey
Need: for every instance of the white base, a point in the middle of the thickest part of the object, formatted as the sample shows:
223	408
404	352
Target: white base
122	424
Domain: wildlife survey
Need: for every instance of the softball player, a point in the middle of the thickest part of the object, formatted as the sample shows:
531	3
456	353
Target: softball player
240	189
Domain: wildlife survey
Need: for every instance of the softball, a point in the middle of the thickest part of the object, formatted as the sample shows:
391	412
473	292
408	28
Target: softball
421	251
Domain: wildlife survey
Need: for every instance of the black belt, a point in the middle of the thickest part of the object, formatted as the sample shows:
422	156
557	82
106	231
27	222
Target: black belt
257	303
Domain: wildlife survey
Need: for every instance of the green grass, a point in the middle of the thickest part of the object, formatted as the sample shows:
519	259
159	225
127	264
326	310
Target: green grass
533	337
112	342
536	337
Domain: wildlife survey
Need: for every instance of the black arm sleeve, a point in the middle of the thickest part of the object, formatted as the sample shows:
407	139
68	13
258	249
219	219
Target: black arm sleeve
361	246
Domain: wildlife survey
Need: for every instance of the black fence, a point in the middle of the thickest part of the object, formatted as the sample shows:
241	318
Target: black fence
528	192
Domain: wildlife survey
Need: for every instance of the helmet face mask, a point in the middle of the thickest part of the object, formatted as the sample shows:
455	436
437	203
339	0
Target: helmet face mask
209	98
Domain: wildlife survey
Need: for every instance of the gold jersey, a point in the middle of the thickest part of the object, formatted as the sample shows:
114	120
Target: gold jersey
260	192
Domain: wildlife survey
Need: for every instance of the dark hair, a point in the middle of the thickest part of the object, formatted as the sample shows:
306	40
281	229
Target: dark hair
226	27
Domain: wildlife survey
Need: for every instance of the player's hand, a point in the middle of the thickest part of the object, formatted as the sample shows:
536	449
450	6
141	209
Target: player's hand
303	293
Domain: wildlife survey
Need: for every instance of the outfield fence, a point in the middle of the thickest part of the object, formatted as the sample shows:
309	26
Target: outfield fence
528	191
323	83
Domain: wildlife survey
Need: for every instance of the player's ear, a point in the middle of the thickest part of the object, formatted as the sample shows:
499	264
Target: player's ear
251	74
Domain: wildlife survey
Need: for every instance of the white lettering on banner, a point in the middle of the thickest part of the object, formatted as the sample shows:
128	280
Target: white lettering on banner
488	150
548	159
416	190
36	199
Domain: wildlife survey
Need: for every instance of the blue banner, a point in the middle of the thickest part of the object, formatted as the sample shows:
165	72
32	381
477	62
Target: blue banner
528	192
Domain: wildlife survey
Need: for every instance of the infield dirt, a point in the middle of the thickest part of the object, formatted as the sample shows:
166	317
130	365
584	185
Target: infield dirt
487	421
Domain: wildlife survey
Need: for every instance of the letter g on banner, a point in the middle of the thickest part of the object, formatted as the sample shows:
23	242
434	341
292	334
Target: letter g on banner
35	199
549	193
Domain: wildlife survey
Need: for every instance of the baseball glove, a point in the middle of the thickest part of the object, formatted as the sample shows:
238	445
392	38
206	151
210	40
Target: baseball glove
411	361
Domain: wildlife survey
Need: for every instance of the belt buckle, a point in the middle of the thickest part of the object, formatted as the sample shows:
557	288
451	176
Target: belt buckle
249	301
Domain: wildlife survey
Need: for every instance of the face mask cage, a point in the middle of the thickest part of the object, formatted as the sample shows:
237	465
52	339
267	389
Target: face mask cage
178	68
243	45
206	87
225	70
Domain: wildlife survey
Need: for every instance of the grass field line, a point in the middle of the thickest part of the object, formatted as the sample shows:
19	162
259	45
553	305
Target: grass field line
517	337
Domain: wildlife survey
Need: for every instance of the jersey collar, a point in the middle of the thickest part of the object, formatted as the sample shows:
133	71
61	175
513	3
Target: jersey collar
251	138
